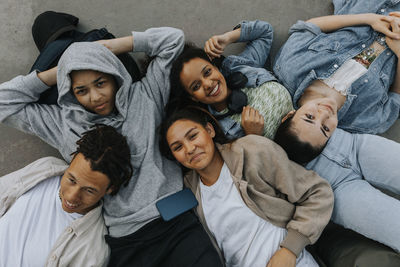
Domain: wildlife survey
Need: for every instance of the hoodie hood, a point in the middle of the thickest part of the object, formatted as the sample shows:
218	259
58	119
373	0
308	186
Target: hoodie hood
90	56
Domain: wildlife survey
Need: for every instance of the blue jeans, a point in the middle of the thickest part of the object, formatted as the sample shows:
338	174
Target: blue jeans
365	209
353	164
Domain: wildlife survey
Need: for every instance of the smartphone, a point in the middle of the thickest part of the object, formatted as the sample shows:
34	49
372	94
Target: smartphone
176	204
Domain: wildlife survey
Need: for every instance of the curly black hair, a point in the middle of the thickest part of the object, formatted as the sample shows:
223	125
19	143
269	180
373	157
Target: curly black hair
108	152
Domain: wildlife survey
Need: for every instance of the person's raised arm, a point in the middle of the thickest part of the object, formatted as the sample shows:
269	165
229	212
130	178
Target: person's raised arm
18	107
257	34
163	44
215	46
336	22
118	45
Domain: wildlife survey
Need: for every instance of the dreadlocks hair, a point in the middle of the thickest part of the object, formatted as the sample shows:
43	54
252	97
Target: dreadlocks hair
108	152
195	114
299	151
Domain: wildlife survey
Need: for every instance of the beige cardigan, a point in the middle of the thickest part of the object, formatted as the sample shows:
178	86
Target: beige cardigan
80	244
275	188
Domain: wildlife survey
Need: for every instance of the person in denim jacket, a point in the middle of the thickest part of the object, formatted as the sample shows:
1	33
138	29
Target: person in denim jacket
194	76
353	164
369	100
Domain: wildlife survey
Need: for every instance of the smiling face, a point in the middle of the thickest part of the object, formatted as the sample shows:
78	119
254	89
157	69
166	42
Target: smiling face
205	83
81	188
315	121
94	90
192	144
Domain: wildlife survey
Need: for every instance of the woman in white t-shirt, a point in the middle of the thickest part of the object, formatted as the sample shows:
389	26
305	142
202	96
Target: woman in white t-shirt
258	207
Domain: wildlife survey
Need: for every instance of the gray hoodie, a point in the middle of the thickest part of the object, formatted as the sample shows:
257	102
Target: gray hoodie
140	110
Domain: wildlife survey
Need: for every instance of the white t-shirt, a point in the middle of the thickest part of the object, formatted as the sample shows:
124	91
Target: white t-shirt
32	225
244	238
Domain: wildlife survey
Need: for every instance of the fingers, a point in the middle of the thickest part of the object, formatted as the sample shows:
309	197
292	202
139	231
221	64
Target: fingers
395	25
395	14
213	48
252	121
215	43
393	31
209	52
250	113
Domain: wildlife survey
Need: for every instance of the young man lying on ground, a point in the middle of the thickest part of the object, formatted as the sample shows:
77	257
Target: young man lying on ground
51	213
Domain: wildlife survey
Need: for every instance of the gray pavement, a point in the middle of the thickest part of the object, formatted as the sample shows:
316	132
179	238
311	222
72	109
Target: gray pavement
199	20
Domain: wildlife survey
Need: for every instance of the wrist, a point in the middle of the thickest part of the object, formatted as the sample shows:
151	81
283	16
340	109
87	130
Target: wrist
288	252
49	77
369	18
232	36
124	45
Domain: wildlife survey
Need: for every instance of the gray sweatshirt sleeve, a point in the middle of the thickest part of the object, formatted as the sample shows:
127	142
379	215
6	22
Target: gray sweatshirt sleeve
165	44
19	110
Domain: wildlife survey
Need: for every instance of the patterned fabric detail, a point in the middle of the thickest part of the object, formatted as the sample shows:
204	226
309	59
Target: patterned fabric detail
272	100
368	56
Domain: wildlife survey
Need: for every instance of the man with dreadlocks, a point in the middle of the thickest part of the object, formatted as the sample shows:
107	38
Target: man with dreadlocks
50	213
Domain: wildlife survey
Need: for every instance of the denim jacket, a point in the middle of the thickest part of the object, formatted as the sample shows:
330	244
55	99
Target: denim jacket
310	54
338	161
258	35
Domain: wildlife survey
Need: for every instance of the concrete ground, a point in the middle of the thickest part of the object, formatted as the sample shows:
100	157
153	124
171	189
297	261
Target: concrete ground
199	20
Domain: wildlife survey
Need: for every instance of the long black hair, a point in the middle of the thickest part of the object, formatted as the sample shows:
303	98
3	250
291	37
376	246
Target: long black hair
179	97
192	113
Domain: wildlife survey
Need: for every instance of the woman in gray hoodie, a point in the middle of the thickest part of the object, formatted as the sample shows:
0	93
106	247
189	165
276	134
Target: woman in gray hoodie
94	87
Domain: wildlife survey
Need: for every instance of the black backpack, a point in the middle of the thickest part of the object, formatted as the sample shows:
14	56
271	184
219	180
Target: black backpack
53	32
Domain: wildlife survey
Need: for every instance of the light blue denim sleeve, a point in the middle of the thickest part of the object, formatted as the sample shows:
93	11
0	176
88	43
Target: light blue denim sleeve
390	111
342	7
259	35
305	27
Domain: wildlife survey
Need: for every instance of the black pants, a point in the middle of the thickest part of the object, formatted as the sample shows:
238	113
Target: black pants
179	242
